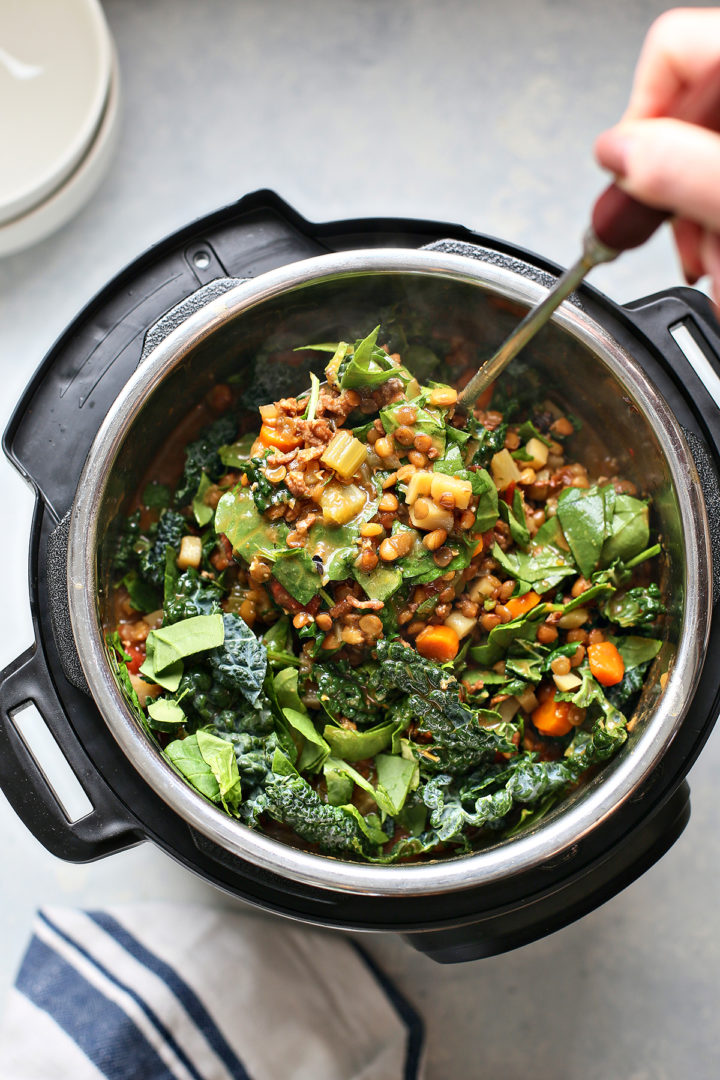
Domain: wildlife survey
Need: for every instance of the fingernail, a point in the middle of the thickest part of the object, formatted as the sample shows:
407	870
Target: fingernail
612	151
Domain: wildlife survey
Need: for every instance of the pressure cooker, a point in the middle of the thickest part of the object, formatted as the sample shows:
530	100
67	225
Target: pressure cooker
200	307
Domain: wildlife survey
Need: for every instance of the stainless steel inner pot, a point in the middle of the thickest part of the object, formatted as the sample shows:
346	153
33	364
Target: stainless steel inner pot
573	361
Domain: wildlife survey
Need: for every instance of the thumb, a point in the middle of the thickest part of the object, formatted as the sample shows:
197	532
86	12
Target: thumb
667	164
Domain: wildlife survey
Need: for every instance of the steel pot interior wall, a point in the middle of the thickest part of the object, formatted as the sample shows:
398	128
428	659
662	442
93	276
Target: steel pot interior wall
253	351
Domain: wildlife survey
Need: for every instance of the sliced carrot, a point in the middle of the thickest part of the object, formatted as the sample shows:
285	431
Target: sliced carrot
281	438
438	643
606	663
553	717
519	605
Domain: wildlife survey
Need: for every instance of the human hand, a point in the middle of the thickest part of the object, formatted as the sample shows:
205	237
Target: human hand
667	163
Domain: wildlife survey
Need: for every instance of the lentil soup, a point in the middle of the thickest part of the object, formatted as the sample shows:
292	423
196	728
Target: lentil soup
379	628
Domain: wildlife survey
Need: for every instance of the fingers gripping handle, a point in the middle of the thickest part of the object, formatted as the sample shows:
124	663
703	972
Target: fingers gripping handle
621	222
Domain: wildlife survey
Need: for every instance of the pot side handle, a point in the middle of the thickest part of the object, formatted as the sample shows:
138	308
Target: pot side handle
183	310
45	774
682	326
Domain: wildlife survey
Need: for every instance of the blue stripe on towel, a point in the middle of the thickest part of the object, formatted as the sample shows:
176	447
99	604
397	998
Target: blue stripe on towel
412	1020
182	991
152	1016
99	1027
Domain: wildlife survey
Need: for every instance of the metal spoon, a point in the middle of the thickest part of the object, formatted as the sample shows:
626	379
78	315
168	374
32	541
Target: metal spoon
619	223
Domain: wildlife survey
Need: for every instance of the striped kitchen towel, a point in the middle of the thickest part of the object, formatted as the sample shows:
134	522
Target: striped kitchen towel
165	992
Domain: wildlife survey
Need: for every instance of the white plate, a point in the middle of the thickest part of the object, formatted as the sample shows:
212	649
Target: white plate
65	201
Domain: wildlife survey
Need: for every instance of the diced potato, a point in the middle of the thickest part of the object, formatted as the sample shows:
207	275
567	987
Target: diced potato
427	515
566	683
508	708
341	502
528	700
538	451
144	690
461	490
504	470
344	454
419	484
460	623
190	554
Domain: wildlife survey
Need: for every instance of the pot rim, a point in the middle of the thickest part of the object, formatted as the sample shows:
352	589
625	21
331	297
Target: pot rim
524	853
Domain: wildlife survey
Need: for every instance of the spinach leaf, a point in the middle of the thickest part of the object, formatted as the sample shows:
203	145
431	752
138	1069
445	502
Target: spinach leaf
170	677
203	456
297	573
185	638
381	583
219	755
542	567
201	511
514	517
397	776
587	516
637	650
339	783
354	745
394	778
250	534
630	530
165	714
236	455
285	684
524	628
187	758
369	366
313	749
241	662
636	607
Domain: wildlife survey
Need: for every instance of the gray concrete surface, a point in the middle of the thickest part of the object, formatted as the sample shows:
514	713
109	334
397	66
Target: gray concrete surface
470	111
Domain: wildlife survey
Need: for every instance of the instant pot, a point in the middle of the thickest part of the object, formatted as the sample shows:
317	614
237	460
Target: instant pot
227	298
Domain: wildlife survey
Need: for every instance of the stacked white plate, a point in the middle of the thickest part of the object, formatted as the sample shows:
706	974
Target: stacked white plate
58	113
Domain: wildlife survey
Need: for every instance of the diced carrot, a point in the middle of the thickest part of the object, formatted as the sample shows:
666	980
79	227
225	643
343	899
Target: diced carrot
281	438
438	643
486	397
553	717
606	663
484	543
518	605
